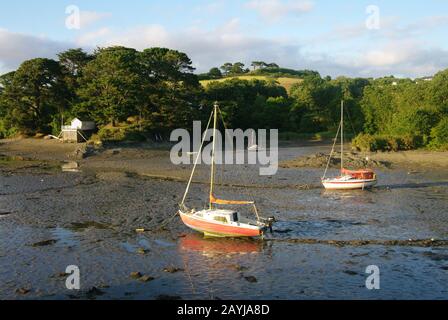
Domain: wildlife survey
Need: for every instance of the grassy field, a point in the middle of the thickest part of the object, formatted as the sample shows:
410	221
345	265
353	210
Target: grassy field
283	81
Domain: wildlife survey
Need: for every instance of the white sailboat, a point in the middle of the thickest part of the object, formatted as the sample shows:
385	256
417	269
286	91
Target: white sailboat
253	146
349	179
221	222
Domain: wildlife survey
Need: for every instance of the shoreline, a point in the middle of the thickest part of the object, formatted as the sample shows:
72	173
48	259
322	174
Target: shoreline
39	152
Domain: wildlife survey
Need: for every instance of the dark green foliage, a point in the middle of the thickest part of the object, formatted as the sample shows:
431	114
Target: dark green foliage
248	104
33	96
367	142
125	133
284	72
109	86
157	89
439	135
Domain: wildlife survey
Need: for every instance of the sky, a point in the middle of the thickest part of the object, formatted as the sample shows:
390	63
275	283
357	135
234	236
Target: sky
355	38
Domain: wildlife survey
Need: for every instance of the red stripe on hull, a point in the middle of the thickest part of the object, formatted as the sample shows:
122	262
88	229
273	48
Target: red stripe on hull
349	182
220	229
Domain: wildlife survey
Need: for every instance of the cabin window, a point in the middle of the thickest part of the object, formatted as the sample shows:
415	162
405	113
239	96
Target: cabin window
235	217
221	219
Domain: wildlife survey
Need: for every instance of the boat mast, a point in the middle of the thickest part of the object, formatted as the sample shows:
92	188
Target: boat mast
342	135
212	176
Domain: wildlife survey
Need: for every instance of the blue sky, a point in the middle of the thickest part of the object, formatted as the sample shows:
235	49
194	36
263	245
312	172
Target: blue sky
325	35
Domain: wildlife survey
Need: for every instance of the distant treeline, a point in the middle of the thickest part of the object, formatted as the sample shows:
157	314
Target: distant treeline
133	95
258	68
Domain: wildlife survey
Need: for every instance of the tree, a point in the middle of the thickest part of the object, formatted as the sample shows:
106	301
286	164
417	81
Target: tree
215	73
315	103
237	68
437	92
243	101
72	63
34	95
227	68
171	91
110	86
74	60
258	64
439	134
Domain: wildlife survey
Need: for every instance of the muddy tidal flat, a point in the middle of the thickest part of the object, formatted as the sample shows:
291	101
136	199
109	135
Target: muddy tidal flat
87	215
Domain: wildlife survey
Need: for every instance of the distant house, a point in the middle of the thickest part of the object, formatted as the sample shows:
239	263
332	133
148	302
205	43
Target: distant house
82	125
78	130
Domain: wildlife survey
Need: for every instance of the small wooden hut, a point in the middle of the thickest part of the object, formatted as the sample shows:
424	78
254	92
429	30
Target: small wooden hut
78	131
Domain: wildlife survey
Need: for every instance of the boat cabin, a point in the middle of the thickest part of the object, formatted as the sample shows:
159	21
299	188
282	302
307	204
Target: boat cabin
224	216
366	174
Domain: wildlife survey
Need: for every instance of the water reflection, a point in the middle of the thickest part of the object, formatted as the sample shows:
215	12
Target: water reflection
211	247
355	197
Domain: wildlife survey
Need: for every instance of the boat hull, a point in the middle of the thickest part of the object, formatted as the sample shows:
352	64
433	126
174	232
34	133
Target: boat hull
212	229
349	184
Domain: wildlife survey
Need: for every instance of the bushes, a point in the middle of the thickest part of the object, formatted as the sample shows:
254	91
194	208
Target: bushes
367	142
439	135
117	134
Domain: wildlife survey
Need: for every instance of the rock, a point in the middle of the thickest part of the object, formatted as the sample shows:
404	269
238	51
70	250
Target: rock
351	273
94	292
113	152
142	251
71	166
62	274
44	243
239	268
146	278
320	160
136	275
82	152
172	270
23	291
251	279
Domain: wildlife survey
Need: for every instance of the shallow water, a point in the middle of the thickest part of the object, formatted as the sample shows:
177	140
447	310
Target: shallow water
89	220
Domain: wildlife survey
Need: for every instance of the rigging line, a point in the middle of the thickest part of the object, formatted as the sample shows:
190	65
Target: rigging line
197	160
249	193
332	151
351	122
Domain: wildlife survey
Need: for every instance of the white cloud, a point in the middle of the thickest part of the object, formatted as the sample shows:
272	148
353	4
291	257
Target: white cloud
88	18
206	48
86	39
274	10
228	43
17	47
400	58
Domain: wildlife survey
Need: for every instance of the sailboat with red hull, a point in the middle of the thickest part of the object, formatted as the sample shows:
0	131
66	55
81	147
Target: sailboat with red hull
349	179
217	222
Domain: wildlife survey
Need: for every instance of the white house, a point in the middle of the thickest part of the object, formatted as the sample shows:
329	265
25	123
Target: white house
78	130
82	125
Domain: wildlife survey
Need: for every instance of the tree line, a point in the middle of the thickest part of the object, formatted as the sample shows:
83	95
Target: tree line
132	94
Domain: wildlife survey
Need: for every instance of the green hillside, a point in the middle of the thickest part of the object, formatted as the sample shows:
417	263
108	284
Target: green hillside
286	82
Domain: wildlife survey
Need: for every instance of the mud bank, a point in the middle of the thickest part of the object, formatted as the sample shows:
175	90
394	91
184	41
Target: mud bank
381	160
320	248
